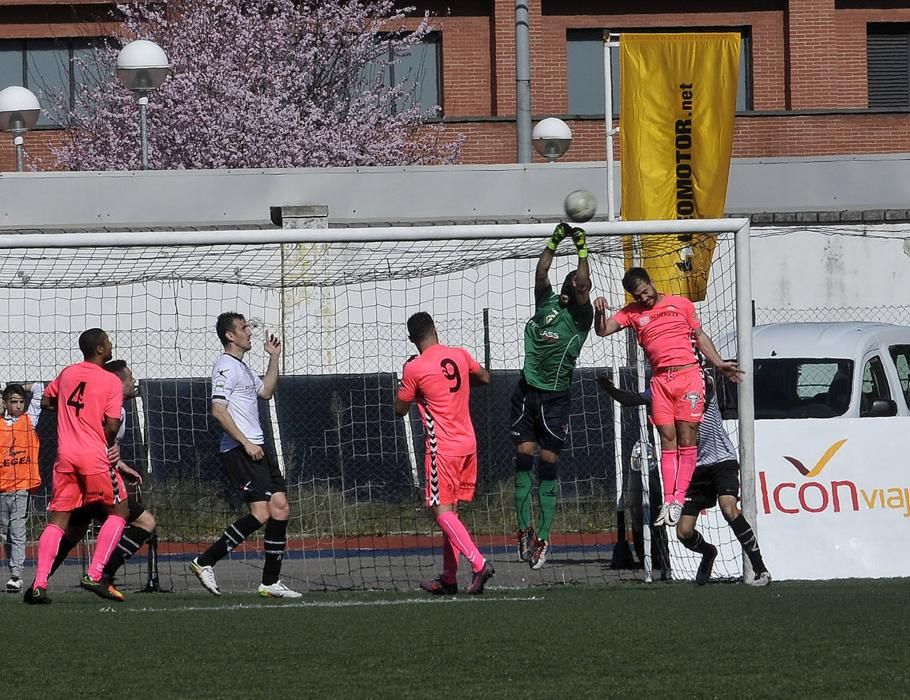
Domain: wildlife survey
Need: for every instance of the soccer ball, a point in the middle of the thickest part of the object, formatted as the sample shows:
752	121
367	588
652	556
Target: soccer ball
580	206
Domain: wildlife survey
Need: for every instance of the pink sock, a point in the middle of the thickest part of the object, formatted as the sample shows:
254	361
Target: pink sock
688	456
108	537
449	560
668	467
47	552
460	539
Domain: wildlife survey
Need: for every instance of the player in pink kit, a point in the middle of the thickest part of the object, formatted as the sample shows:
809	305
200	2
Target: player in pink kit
439	380
88	400
670	333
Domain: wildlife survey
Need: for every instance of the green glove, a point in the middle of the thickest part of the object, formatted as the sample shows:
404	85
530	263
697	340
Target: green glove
581	244
561	231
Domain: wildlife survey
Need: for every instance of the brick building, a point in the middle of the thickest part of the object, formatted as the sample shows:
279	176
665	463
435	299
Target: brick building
818	77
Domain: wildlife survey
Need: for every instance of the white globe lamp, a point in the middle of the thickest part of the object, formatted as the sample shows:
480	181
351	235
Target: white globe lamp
551	138
19	111
142	66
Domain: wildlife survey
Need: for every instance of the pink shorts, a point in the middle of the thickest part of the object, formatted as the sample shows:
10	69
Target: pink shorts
677	395
72	490
450	479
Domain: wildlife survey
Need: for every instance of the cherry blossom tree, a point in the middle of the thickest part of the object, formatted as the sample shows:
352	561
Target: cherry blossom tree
262	84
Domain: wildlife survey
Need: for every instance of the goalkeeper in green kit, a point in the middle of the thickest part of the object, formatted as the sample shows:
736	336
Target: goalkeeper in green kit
540	404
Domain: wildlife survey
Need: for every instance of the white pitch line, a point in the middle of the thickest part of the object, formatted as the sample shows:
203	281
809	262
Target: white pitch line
325	604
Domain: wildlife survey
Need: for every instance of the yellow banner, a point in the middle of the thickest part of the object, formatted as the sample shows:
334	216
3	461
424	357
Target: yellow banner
676	114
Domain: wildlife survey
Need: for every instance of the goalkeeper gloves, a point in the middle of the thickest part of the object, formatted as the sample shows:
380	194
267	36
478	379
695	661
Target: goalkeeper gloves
560	232
581	244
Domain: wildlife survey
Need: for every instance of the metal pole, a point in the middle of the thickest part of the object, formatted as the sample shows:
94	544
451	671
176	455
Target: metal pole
608	122
746	394
143	133
19	140
488	392
522	82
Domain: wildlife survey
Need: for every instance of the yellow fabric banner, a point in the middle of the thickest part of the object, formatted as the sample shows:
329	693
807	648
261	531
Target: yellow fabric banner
676	114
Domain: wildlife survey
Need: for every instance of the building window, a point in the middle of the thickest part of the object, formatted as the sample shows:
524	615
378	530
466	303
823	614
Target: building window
419	69
585	55
888	64
53	69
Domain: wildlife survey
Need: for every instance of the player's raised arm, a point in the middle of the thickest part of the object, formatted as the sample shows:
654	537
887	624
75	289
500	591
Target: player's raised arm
270	380
603	323
583	271
542	274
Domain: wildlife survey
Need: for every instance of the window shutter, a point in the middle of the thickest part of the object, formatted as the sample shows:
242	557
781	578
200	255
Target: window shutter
889	70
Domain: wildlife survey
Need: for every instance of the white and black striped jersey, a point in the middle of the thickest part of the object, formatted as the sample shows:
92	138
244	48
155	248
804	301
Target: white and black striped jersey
122	432
235	385
714	444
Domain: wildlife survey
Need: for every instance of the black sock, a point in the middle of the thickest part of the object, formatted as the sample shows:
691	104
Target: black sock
66	546
130	542
276	541
744	533
234	534
696	543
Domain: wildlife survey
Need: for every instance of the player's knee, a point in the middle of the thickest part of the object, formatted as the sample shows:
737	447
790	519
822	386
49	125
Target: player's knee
685	530
146	521
280	510
526	448
524	462
260	510
729	509
546	471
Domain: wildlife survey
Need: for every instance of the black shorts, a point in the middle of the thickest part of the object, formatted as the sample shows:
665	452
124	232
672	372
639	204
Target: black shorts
81	517
708	483
257	480
540	416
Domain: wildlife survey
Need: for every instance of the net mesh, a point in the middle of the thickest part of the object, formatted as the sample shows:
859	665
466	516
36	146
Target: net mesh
355	471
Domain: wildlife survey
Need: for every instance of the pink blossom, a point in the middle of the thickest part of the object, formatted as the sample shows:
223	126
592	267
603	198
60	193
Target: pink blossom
261	84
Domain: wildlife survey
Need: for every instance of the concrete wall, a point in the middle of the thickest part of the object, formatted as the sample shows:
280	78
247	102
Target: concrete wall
385	195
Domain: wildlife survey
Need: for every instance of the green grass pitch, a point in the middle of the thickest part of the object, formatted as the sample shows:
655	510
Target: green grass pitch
837	639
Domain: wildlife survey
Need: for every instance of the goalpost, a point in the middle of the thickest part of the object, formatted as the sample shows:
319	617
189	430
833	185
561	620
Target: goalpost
339	298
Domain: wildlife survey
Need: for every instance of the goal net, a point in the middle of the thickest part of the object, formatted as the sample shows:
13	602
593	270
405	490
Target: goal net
339	299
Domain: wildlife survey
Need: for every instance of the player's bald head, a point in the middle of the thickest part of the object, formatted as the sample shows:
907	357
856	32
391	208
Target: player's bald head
92	342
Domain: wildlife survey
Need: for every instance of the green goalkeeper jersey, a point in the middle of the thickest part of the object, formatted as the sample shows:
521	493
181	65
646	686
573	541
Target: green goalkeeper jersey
553	340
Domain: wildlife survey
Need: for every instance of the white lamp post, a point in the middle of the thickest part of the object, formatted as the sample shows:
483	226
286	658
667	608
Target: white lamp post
19	110
551	138
142	66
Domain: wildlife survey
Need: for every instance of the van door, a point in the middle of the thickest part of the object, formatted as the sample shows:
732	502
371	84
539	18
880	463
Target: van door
874	384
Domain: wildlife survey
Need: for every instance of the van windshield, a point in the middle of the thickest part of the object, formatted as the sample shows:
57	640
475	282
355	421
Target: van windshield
799	388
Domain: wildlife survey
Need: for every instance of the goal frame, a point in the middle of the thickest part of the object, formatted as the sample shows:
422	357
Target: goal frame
739	227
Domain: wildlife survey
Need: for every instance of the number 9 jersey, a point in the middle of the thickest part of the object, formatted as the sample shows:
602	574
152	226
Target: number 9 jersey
438	380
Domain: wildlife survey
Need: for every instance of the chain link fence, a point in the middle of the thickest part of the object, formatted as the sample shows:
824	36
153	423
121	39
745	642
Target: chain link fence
899	315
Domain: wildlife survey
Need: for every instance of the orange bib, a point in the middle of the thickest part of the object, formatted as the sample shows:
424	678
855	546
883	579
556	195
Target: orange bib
18	456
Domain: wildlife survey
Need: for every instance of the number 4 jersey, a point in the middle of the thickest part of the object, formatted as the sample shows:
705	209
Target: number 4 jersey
438	380
85	393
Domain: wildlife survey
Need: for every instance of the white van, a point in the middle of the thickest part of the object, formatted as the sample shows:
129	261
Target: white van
828	370
832	490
